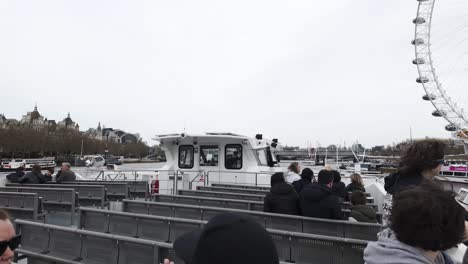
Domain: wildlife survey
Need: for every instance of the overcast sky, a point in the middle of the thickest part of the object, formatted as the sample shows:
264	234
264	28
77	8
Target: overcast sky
317	71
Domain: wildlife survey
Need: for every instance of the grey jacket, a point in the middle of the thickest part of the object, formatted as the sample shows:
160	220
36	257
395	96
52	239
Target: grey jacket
388	250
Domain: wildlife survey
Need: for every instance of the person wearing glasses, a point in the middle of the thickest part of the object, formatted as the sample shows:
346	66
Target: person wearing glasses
420	163
9	241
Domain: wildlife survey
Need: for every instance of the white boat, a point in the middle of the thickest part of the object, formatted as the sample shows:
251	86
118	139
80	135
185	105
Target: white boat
13	164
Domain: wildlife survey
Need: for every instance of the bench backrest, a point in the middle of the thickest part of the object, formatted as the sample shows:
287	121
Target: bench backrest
232	190
26	205
114	191
208	201
53	199
88	195
238	196
252	187
291	246
137	189
339	228
71	245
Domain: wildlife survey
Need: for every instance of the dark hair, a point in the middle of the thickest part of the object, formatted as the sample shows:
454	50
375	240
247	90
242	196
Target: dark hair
276	178
19	169
36	168
4	215
307	174
358	198
427	217
325	177
336	176
51	170
294	167
422	155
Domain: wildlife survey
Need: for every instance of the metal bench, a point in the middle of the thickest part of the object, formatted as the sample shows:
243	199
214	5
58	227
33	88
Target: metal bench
43	243
137	189
22	205
291	246
339	228
208	201
115	191
252	187
88	195
232	190
238	196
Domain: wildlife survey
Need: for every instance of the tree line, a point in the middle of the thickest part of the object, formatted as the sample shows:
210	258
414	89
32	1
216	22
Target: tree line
29	142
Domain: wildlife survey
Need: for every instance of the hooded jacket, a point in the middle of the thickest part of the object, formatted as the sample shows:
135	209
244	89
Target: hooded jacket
339	189
396	182
388	250
32	178
282	199
15	176
317	200
299	185
363	213
291	177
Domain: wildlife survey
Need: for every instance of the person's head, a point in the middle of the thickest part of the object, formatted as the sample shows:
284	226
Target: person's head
228	238
20	169
36	168
428	218
336	176
328	168
66	166
294	167
50	171
356	179
307	174
8	239
423	157
325	177
276	178
358	198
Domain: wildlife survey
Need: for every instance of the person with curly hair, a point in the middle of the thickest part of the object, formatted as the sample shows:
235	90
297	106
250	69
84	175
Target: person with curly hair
424	221
421	162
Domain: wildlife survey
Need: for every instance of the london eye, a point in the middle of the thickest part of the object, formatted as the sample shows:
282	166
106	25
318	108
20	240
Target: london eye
441	56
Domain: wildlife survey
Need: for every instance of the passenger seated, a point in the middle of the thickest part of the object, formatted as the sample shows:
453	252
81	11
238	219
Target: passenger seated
282	198
360	211
48	174
424	221
228	238
293	173
339	188
356	183
15	176
307	176
33	177
65	174
318	200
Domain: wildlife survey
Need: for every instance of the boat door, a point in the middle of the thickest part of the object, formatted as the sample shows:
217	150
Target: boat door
209	162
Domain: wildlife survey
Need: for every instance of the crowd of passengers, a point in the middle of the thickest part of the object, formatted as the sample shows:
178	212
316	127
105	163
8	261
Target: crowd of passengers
36	176
300	193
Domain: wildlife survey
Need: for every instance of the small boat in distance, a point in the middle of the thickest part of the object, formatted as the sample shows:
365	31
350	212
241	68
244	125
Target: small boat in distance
13	164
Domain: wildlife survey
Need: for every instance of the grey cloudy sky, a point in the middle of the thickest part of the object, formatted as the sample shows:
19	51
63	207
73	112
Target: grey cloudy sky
326	71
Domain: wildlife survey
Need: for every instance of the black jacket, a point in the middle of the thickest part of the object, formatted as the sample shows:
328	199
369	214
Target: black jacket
355	187
32	178
299	185
15	176
282	199
318	201
65	176
339	189
363	213
396	182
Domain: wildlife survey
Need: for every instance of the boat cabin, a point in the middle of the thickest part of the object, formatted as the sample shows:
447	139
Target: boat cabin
218	158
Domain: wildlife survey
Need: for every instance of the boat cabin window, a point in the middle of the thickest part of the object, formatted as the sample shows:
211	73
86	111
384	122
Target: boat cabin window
186	156
262	157
209	155
233	157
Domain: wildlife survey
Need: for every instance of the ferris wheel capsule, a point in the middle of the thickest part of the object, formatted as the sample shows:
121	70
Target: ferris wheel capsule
429	97
439	113
451	128
419	61
418	41
419	20
422	80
